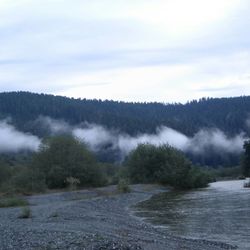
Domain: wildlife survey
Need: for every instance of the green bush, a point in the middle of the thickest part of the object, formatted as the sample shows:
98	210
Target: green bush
25	213
13	202
61	157
28	180
123	186
163	164
198	178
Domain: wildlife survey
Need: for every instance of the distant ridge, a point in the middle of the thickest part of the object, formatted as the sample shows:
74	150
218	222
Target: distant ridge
231	115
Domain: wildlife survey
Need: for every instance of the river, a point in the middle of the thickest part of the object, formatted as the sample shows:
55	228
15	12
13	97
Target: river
220	212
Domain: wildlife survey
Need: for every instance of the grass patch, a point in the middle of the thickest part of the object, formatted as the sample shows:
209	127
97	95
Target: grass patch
25	213
13	202
123	186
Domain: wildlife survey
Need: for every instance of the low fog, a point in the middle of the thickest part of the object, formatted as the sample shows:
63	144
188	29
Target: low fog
13	140
54	126
97	136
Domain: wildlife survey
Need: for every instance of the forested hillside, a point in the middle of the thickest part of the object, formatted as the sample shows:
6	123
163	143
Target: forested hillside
211	131
227	114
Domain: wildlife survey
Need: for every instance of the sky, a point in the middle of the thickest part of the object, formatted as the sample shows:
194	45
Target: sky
129	50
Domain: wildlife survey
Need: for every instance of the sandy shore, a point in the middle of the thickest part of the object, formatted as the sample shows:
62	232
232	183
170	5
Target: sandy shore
95	219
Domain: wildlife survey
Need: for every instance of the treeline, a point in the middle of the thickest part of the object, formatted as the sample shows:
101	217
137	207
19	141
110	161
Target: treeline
64	162
227	114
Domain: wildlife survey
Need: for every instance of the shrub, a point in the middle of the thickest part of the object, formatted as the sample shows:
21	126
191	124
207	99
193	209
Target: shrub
13	202
123	186
28	180
25	213
198	178
162	164
63	156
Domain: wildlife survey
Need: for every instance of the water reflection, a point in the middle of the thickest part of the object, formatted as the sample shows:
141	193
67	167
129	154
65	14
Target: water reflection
220	212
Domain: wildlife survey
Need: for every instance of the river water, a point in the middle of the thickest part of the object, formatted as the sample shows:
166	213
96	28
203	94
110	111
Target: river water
220	212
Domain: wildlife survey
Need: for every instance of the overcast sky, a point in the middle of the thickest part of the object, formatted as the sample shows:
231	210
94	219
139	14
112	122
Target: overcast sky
131	50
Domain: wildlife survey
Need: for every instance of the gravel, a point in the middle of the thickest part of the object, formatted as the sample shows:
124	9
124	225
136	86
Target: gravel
96	219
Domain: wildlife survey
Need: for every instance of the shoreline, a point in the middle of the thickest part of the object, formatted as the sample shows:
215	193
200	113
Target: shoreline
91	219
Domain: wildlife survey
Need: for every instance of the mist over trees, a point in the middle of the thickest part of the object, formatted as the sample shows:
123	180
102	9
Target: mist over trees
230	115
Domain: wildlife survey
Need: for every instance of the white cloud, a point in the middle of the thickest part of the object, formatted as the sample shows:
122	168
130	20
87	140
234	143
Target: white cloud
198	144
141	83
53	125
213	76
216	139
94	135
164	135
13	140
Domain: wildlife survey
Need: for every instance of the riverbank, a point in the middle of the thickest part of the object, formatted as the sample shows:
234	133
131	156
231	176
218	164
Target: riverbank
90	219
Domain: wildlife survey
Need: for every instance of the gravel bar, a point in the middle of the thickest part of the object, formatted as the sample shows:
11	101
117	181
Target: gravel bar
96	219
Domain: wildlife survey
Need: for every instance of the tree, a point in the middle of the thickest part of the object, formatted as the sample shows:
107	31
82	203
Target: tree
163	164
62	157
246	159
